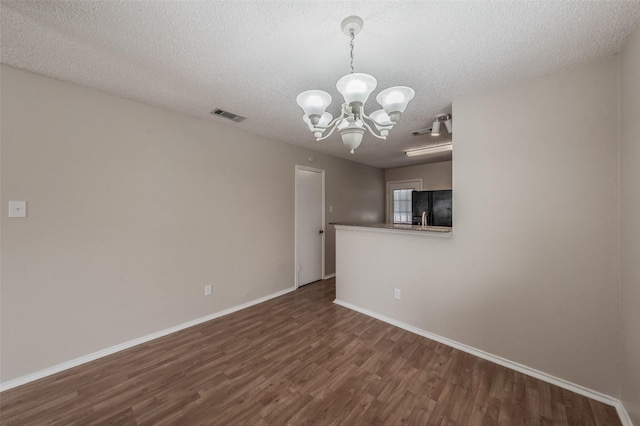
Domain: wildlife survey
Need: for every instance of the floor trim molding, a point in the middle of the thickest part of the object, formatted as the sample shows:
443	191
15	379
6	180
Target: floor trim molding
581	390
126	345
625	419
326	277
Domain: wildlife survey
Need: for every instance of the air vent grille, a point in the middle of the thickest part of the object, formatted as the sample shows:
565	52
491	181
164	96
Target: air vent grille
228	115
421	132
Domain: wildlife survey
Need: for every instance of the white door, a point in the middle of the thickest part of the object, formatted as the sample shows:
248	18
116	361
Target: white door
399	199
310	224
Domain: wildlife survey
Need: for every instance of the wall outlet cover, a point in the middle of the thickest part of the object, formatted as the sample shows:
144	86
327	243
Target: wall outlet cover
17	209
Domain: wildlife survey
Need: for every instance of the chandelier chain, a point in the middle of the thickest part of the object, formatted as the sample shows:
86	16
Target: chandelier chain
353	36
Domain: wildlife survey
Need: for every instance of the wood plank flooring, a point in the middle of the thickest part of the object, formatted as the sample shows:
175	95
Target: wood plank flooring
297	359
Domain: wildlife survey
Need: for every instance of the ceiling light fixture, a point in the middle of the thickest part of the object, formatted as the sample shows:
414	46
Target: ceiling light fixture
446	118
435	130
355	88
435	149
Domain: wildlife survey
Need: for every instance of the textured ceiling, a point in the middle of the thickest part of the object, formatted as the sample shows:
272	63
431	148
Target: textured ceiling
253	58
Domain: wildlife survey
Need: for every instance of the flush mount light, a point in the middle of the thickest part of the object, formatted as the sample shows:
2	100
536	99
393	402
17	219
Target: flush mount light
355	88
446	118
435	149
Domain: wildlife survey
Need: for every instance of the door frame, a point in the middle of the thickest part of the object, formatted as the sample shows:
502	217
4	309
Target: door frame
297	184
389	195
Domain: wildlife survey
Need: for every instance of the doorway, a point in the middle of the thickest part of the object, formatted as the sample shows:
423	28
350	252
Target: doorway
309	224
399	199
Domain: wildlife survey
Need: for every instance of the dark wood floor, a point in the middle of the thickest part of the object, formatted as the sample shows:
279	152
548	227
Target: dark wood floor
297	359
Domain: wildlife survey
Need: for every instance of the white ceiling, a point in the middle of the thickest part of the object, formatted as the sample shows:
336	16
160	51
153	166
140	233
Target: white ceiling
253	58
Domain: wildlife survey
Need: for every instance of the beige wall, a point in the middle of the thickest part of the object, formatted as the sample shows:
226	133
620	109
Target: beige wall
530	272
132	210
435	176
630	227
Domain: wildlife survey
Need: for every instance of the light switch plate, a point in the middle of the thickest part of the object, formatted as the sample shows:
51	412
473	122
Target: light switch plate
17	209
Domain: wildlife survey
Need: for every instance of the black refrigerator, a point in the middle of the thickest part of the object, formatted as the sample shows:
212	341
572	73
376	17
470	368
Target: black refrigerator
436	205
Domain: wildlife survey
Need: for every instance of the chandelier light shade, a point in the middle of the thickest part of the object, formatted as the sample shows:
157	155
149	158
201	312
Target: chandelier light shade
355	88
382	121
395	99
314	102
324	121
381	118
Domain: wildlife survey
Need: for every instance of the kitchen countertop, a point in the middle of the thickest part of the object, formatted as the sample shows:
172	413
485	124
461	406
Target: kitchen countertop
398	227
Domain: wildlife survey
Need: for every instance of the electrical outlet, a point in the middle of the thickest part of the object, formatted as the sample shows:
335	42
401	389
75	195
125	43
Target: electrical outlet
207	290
17	209
396	293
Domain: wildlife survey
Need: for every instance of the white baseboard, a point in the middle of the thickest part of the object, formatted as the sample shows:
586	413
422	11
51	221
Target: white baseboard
326	277
624	416
581	390
126	345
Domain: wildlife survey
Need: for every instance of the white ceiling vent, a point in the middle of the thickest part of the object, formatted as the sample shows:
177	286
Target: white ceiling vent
229	115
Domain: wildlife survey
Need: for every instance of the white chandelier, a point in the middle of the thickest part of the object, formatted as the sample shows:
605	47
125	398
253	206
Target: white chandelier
355	88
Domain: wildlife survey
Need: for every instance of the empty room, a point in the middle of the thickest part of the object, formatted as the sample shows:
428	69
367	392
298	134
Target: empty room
316	212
